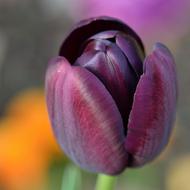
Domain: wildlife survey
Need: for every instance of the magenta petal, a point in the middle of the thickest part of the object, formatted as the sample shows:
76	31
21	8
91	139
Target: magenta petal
85	118
153	110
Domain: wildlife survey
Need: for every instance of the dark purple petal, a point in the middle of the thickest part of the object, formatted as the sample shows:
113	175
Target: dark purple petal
71	46
109	64
98	45
154	105
132	51
56	71
85	118
105	35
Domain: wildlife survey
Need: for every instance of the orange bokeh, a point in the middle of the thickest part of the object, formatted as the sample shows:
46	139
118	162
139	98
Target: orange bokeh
26	141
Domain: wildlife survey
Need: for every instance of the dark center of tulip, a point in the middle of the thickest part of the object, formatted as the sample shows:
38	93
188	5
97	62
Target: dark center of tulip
102	55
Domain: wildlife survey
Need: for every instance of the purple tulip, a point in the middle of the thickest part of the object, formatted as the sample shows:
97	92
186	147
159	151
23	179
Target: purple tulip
110	107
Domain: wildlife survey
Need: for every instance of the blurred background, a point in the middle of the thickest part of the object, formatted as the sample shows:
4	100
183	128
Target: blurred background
31	32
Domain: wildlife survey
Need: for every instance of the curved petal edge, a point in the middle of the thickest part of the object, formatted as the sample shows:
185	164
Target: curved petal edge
153	111
85	119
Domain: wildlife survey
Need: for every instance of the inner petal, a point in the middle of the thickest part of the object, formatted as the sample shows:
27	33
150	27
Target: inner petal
104	59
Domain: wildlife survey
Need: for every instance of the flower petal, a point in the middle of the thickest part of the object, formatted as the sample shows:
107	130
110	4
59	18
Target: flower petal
85	119
132	51
106	35
110	65
88	28
153	110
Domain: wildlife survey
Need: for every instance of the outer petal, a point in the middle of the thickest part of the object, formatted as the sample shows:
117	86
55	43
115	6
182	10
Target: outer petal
85	118
88	28
153	110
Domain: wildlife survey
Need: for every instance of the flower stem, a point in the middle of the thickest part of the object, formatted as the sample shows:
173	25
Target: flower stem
105	182
71	178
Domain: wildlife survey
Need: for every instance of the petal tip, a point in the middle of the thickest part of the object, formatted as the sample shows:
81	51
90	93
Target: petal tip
159	47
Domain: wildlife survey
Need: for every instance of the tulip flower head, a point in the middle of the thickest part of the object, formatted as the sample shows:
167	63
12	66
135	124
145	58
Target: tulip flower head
110	106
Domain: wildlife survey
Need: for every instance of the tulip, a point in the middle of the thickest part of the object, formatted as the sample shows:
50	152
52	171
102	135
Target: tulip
109	106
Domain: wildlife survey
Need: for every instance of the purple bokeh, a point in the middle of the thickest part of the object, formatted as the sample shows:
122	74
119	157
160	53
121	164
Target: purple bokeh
157	20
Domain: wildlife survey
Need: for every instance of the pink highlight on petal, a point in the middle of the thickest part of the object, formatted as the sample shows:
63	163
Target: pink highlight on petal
153	110
109	110
85	119
57	68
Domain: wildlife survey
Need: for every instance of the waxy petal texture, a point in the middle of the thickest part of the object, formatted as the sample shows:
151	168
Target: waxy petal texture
132	51
109	106
153	110
89	27
110	65
85	118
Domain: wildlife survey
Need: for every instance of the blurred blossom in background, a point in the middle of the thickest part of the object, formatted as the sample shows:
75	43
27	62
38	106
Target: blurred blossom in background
27	145
157	20
31	32
178	174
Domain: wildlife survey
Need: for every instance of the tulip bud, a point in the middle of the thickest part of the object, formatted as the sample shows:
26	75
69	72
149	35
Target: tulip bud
109	106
